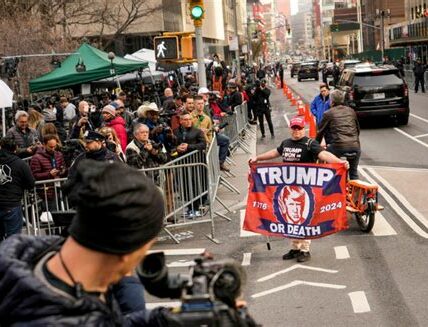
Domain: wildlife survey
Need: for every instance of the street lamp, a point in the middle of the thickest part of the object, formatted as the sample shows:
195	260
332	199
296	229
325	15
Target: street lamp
381	13
111	56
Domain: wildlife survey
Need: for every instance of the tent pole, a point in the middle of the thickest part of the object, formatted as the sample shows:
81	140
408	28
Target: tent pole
3	121
157	98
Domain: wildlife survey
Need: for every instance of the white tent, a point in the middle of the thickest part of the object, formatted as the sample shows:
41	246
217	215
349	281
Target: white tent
6	96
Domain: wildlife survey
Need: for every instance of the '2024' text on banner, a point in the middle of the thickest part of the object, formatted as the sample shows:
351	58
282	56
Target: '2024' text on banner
296	200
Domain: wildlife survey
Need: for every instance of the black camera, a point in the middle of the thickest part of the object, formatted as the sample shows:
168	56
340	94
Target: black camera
208	293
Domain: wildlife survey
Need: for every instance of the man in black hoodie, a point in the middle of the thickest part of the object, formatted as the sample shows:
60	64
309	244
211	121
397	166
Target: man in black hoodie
419	71
15	177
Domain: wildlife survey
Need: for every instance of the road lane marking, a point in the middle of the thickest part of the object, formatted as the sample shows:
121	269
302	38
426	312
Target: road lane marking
359	302
246	260
181	263
195	251
297	266
400	198
409	221
406	169
242	232
341	252
172	304
411	137
286	119
382	227
296	283
419	117
420	136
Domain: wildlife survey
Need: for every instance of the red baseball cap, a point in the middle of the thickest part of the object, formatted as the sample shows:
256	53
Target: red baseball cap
297	121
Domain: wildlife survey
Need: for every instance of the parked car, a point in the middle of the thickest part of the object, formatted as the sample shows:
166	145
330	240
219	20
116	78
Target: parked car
294	69
308	70
374	91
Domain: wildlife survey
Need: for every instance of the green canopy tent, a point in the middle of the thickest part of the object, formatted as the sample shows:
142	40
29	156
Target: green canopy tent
98	66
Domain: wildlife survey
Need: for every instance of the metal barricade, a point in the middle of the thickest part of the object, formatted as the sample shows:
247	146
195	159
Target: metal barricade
186	189
43	204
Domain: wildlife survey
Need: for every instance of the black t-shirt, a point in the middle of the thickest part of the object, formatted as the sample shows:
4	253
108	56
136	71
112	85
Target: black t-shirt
303	150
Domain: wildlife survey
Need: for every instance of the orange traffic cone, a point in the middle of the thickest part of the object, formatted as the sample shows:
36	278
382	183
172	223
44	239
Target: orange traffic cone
312	127
293	100
300	108
307	112
289	94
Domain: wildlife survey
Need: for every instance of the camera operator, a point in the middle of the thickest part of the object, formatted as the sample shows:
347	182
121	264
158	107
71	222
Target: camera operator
142	152
262	107
234	97
25	137
160	131
69	282
81	122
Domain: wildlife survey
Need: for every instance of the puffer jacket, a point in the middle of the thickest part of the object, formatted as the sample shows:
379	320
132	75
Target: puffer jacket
118	124
26	300
23	140
320	105
42	163
340	128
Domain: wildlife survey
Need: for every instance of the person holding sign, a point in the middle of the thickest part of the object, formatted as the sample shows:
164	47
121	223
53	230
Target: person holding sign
293	200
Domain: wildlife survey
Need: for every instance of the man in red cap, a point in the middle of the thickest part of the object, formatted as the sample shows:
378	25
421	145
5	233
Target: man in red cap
299	148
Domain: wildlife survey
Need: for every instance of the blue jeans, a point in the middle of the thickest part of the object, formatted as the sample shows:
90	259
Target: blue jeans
223	142
10	221
353	156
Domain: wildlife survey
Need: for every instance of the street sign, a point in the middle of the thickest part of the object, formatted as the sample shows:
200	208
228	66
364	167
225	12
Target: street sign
166	47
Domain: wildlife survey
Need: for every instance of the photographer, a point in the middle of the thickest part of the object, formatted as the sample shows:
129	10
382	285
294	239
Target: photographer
25	138
81	122
262	107
69	282
142	152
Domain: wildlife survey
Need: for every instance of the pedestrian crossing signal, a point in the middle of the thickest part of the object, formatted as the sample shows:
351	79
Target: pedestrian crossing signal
166	47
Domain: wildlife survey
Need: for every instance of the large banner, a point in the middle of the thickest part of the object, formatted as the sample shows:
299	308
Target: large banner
296	200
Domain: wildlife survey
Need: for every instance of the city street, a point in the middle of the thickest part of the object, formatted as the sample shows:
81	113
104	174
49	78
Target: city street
353	279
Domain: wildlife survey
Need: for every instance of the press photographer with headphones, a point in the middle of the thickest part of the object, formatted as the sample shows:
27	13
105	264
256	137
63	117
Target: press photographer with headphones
86	279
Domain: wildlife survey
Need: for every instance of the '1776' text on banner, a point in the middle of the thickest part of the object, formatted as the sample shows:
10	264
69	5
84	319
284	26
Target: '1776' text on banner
296	200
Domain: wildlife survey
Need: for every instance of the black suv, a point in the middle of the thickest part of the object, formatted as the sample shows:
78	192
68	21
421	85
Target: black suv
376	91
294	68
308	70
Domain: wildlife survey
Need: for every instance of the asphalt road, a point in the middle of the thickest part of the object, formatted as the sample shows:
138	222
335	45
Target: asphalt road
353	279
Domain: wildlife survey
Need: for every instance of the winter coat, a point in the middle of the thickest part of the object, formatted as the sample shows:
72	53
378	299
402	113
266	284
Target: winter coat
193	136
42	163
261	100
33	301
419	70
23	140
340	128
118	124
15	177
318	106
139	157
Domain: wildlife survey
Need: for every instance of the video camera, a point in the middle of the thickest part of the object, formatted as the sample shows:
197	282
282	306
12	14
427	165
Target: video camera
208	293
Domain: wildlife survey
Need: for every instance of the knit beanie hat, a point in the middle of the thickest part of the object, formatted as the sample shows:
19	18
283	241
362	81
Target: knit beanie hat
118	208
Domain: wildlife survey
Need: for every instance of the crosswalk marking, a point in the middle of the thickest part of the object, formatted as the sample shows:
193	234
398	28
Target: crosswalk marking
341	252
195	251
246	260
359	302
382	227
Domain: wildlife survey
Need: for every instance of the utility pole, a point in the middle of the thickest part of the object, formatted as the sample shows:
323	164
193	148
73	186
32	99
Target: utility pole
380	13
197	14
360	33
238	64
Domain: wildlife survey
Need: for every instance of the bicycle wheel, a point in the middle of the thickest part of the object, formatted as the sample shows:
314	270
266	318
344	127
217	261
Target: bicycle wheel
367	219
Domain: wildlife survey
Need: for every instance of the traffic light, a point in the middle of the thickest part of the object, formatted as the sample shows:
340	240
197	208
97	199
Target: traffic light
188	47
196	11
166	47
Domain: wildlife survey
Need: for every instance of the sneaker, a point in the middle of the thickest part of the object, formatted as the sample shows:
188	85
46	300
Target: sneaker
303	256
292	254
252	122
